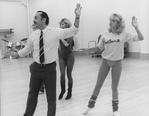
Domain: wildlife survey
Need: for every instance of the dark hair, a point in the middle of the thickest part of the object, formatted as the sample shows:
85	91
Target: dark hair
44	15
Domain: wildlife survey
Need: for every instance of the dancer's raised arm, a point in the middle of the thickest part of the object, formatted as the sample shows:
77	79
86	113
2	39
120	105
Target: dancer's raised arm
135	25
77	13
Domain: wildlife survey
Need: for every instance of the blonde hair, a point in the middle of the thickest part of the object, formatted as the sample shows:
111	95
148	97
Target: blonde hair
121	23
66	21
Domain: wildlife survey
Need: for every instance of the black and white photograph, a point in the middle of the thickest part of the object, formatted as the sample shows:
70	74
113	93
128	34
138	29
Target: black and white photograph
74	57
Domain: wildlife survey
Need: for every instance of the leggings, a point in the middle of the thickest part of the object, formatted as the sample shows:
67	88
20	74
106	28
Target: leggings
66	62
102	74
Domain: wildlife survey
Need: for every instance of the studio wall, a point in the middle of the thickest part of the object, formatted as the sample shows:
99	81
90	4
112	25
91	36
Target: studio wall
94	18
13	14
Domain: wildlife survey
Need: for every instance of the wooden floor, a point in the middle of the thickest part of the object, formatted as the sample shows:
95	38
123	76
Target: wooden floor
133	88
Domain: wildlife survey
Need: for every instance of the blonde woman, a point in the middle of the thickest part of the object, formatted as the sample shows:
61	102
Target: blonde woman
66	60
112	44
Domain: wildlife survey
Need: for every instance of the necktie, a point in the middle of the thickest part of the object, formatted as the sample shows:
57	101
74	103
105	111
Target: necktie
41	48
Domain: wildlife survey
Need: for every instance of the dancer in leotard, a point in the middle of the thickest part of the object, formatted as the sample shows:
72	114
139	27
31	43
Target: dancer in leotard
66	60
112	42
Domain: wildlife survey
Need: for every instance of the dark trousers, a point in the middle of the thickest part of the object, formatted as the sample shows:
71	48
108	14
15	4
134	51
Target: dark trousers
47	75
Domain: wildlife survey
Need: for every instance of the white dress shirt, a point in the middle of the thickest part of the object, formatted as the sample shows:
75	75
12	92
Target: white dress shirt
51	37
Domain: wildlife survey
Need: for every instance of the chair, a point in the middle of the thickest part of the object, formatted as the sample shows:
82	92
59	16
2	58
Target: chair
125	49
95	54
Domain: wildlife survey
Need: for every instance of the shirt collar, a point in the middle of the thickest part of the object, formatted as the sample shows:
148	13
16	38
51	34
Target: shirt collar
46	29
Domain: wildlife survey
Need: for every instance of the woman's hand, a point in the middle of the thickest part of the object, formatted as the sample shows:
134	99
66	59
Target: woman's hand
134	22
65	43
135	25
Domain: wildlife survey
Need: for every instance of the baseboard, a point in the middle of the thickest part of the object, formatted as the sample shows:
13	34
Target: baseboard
137	55
133	55
128	55
144	56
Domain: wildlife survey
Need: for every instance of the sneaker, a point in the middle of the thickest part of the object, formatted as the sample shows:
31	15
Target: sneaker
87	110
91	105
116	113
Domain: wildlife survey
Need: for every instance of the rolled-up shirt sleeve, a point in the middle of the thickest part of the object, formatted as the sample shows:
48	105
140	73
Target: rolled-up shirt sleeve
68	32
131	37
27	49
100	45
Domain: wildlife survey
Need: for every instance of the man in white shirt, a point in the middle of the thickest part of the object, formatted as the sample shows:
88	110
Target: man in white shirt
44	43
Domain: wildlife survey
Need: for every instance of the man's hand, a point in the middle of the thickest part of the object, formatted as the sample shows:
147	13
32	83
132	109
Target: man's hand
134	22
78	10
77	17
83	50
